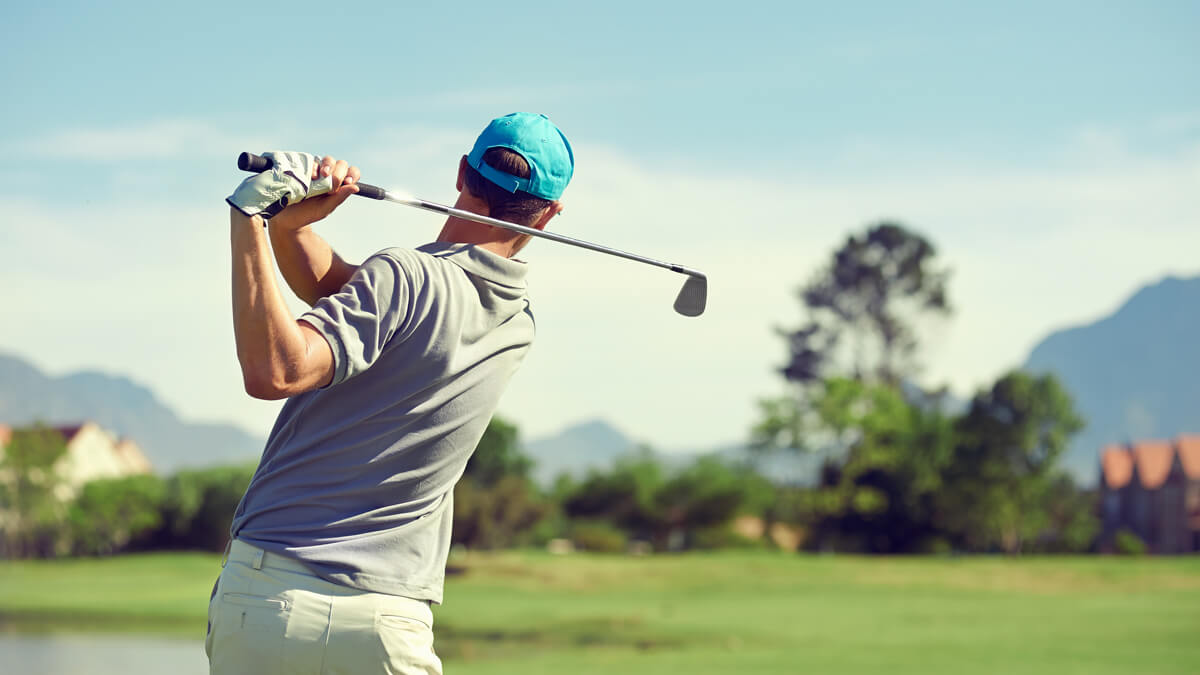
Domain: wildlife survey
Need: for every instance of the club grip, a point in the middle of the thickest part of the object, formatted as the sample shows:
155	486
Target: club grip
248	161
370	191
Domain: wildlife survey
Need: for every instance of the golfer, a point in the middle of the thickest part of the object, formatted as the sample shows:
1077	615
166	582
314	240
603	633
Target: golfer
339	545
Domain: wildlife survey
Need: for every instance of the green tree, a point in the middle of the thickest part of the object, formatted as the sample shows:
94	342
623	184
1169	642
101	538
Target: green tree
669	510
862	312
200	505
497	455
495	502
871	293
1072	514
32	492
625	496
878	494
707	494
109	515
500	515
1001	477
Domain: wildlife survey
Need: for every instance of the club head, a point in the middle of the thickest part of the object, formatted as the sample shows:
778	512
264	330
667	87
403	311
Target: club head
693	296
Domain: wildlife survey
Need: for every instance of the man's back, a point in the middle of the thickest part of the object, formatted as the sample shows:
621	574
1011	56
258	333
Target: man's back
340	543
356	480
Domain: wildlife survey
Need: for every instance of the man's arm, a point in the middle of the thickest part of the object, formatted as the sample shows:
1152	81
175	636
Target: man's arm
311	268
280	356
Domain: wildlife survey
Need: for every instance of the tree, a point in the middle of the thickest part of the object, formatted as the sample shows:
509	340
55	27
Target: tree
624	496
877	495
669	510
500	515
1002	475
699	501
495	503
861	311
33	492
200	505
108	515
498	454
871	293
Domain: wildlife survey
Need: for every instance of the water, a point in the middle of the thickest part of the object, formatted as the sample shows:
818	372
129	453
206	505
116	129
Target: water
73	654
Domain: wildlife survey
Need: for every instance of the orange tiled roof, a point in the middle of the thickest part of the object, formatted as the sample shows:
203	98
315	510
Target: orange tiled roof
1153	462
1189	455
1116	466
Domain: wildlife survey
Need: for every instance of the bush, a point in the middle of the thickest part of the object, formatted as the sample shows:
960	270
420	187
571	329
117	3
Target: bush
110	515
498	516
598	537
1128	543
199	507
722	536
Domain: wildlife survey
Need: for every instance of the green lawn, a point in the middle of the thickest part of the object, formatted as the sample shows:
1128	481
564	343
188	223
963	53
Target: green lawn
716	613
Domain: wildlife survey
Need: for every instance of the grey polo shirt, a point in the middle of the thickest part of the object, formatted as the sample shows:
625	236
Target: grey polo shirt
357	478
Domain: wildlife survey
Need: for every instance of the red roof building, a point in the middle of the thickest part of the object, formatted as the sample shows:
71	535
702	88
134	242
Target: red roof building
1152	489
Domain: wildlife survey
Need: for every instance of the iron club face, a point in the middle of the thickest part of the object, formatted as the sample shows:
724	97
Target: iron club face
693	297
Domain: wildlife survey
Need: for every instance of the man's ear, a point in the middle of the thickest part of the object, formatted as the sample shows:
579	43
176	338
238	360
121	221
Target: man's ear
552	210
462	174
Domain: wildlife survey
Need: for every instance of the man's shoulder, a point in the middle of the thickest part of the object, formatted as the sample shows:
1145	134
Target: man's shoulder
405	260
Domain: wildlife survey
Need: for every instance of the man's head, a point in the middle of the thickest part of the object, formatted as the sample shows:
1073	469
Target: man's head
548	160
516	171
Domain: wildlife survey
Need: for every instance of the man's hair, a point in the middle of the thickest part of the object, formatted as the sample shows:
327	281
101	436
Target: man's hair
518	207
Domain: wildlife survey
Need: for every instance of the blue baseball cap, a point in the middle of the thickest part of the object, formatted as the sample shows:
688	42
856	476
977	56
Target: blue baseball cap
534	137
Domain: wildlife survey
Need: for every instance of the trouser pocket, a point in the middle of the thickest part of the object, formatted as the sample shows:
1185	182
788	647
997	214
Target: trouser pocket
407	645
247	632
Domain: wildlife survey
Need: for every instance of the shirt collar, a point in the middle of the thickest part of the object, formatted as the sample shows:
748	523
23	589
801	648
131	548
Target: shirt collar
480	262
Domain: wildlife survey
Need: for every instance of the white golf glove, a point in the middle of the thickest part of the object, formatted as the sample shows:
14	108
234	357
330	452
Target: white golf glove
288	181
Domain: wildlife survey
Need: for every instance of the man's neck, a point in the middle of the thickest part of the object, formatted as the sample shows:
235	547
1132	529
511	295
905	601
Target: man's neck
494	239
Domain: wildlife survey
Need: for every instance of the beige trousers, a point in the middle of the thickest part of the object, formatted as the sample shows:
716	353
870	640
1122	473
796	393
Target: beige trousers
269	614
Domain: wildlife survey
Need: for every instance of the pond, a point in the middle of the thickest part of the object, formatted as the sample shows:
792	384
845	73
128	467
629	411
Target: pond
100	654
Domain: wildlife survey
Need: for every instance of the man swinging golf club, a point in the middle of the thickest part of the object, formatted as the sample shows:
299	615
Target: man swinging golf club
340	542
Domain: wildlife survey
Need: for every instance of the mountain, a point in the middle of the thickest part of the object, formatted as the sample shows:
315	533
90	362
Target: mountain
1134	375
597	444
594	444
124	407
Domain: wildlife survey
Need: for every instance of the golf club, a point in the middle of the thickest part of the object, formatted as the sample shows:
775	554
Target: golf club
692	297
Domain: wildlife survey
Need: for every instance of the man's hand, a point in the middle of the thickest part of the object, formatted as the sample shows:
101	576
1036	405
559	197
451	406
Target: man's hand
293	177
341	178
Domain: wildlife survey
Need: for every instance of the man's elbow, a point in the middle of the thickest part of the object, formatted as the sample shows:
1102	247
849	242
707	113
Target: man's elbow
264	387
270	384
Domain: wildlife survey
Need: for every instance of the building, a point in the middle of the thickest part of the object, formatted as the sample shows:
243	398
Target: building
1152	489
92	453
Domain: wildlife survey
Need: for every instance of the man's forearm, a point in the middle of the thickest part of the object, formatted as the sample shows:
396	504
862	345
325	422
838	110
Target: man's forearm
309	265
271	346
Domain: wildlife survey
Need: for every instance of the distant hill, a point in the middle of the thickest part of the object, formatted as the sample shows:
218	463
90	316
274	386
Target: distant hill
597	444
594	444
120	405
1134	374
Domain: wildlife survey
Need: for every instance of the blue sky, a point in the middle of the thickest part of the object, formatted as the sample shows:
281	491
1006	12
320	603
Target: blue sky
1050	150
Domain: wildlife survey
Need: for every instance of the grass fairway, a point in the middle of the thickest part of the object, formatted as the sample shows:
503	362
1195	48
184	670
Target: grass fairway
714	613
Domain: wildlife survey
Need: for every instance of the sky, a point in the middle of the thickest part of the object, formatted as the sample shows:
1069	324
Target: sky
1049	150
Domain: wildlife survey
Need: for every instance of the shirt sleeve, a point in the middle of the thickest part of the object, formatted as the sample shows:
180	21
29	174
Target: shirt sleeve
360	319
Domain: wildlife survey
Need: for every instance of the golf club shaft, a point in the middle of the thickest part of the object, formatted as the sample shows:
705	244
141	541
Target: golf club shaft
255	163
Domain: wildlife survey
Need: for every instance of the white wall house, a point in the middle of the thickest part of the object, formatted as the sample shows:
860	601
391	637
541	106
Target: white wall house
92	453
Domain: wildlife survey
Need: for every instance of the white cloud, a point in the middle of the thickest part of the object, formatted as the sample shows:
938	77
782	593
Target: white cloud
161	139
1033	249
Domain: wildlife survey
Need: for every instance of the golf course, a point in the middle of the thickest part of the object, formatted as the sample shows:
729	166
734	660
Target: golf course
759	612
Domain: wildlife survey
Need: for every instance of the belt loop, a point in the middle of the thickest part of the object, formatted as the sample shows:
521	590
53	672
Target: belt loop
228	547
258	559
